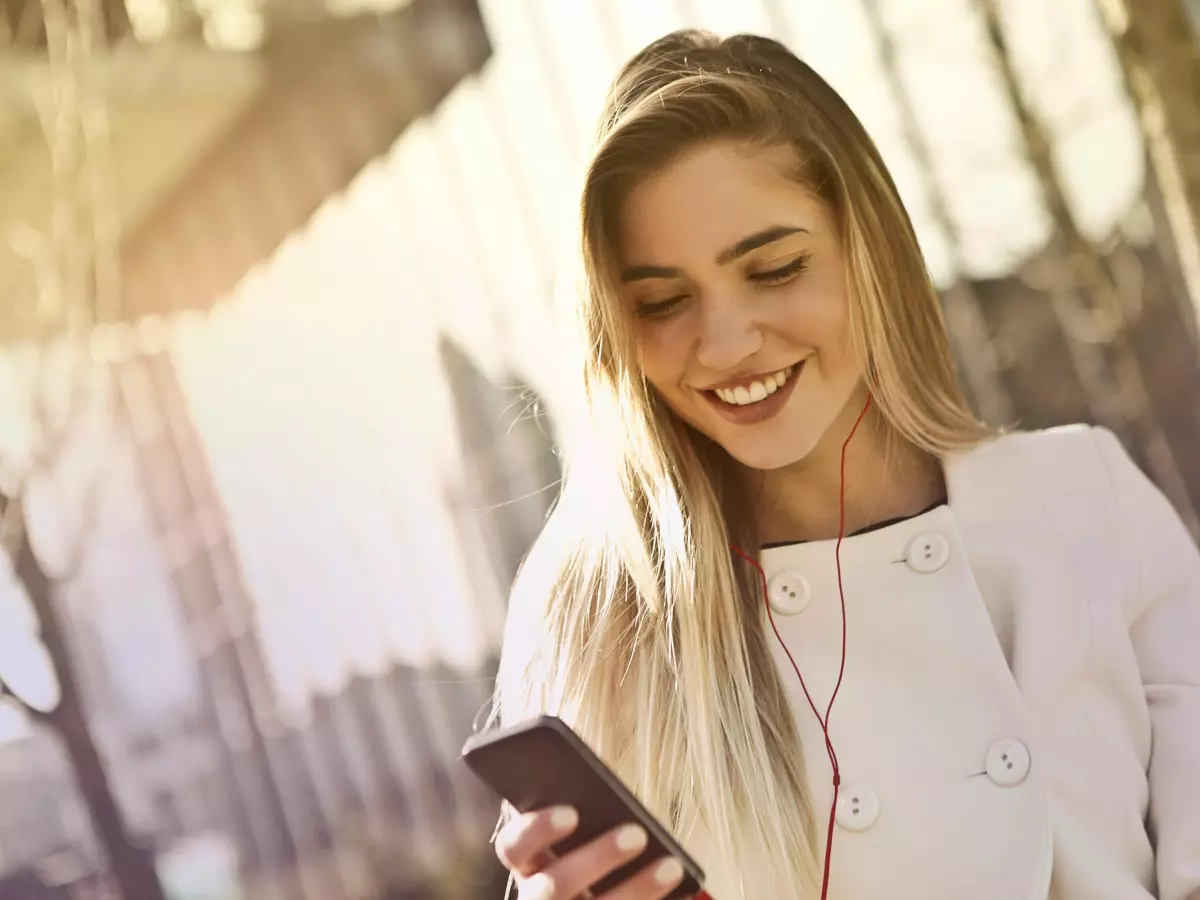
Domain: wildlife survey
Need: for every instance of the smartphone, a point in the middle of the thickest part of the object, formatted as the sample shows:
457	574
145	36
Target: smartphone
544	763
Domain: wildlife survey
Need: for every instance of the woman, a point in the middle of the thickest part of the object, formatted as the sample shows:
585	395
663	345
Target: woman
1001	632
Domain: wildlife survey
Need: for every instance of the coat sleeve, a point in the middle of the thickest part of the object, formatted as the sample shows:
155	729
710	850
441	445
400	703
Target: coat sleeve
1165	631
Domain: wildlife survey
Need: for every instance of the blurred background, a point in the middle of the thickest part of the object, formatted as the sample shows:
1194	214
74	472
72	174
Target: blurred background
280	376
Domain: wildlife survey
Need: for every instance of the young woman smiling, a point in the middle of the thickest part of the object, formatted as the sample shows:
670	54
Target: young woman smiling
838	635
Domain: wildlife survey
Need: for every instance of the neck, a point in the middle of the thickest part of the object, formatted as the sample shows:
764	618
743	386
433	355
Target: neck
885	479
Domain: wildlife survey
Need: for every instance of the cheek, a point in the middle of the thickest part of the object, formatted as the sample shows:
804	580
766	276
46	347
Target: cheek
818	317
662	354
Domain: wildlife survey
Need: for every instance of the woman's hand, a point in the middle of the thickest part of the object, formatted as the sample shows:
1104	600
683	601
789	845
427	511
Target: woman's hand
524	843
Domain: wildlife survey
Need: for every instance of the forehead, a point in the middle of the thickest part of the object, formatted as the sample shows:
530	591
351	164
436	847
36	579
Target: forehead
710	198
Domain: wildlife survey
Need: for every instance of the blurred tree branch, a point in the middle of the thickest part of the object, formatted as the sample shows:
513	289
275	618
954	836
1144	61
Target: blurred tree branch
74	265
7	693
1158	48
1086	294
981	364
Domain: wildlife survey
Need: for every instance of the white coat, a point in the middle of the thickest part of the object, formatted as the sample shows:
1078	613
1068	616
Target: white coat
1020	713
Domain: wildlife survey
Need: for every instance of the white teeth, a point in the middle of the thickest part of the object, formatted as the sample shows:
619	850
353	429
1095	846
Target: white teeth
743	395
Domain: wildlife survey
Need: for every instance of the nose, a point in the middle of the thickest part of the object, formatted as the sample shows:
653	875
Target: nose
728	335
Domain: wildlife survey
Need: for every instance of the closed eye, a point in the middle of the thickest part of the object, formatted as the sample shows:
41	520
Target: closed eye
659	308
783	273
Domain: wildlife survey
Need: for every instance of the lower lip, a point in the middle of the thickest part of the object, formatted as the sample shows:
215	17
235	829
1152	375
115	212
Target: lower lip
753	413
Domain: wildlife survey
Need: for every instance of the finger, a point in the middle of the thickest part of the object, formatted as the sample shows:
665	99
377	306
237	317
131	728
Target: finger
654	882
579	870
521	843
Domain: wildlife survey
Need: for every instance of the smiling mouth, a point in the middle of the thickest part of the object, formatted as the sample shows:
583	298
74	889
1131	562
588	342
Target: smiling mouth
756	391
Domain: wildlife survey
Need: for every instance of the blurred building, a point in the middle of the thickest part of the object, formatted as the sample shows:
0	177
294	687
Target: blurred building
292	100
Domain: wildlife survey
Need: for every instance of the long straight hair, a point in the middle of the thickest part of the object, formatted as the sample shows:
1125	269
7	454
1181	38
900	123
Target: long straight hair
630	618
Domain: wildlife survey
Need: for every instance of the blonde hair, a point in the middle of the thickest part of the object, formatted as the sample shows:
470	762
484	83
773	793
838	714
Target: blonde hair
630	618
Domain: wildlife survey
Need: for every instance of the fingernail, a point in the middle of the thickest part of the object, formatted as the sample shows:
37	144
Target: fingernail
631	837
669	871
538	887
564	818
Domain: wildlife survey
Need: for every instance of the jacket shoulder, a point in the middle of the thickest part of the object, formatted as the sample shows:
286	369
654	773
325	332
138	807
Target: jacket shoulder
1065	453
1055	440
1048	491
1062	476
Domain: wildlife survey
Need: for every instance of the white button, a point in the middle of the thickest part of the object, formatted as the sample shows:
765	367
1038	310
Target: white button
927	553
788	593
1007	762
857	808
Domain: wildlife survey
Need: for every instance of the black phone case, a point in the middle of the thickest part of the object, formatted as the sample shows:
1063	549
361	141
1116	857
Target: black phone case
544	763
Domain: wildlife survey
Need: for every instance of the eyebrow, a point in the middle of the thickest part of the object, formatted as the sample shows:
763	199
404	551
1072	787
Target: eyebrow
741	248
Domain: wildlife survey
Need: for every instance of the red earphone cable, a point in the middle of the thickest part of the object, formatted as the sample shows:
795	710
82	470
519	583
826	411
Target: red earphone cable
823	720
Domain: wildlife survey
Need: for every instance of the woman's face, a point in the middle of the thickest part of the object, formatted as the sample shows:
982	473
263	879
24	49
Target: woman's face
735	276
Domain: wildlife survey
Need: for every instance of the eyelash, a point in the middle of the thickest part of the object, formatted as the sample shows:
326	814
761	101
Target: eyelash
771	278
783	273
658	309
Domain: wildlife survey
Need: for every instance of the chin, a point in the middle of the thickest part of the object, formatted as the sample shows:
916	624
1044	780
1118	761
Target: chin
767	456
